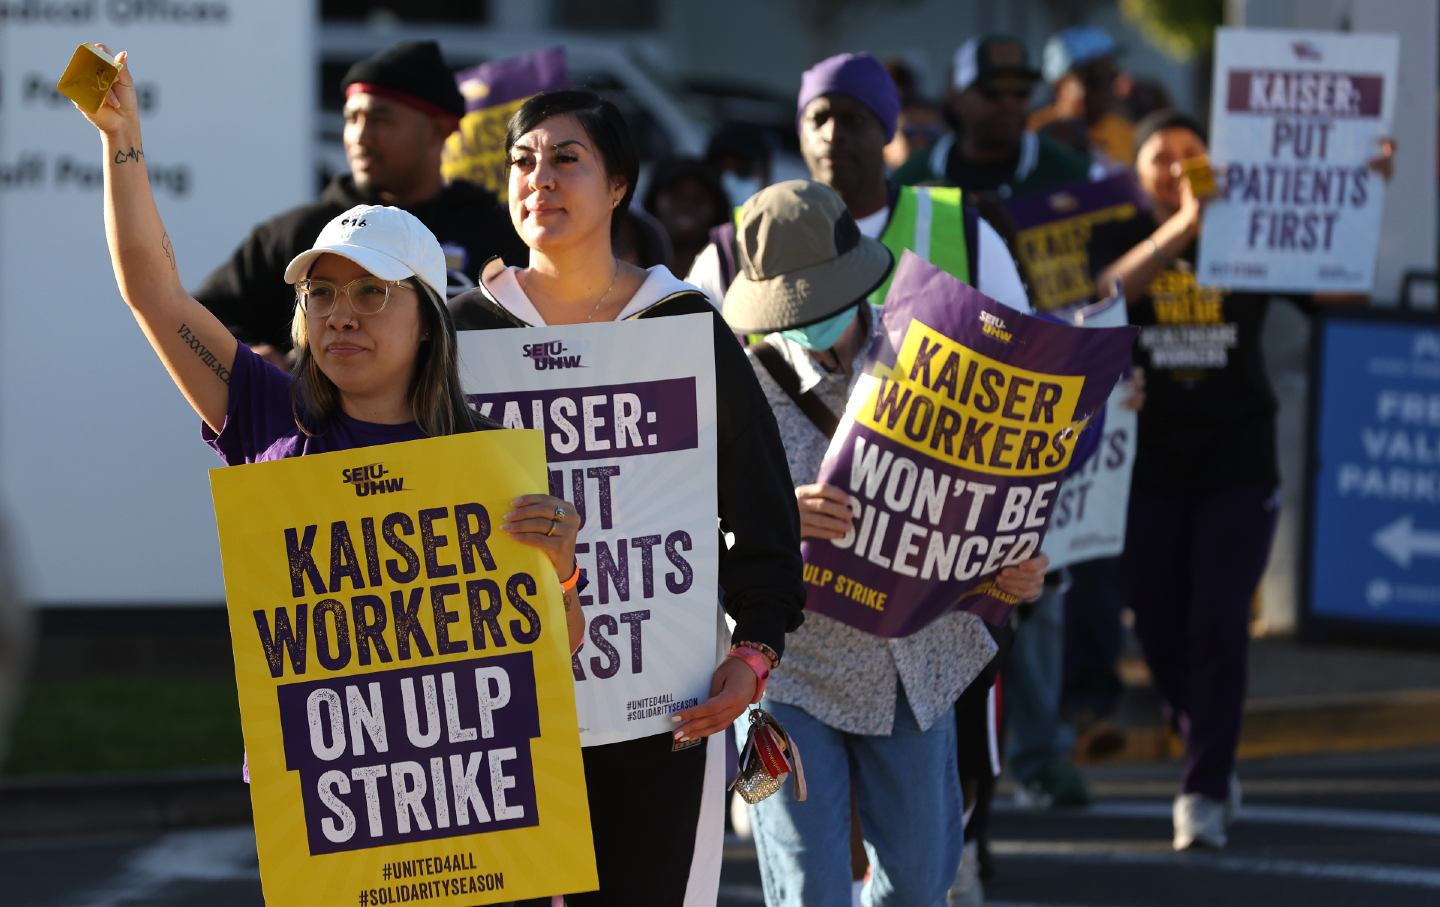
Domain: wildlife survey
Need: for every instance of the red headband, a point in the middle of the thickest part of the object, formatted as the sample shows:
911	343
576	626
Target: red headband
400	97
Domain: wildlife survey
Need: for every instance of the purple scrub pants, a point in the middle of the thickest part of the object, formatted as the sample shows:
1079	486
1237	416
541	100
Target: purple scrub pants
1193	559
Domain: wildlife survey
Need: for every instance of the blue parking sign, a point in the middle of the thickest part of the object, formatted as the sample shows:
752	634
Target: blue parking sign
1373	553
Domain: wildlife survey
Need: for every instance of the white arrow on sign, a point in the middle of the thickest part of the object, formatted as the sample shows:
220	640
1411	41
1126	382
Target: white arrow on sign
1401	541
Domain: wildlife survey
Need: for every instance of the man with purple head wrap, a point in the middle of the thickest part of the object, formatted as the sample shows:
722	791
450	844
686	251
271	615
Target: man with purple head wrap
884	707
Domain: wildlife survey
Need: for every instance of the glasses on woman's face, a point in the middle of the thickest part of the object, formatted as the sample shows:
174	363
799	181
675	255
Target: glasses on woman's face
368	295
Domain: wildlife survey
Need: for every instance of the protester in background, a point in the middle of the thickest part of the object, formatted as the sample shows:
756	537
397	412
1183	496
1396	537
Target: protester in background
400	105
921	122
991	150
878	712
1079	65
375	344
1142	96
741	154
686	197
572	166
641	240
907	81
1203	501
994	156
920	126
847	111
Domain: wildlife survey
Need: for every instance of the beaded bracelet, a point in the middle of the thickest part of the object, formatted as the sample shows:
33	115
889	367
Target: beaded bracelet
770	654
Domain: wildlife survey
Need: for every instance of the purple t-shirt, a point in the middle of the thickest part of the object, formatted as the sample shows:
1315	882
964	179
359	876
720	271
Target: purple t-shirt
260	425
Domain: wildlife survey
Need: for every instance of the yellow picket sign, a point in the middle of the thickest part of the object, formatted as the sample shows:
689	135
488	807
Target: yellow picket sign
404	677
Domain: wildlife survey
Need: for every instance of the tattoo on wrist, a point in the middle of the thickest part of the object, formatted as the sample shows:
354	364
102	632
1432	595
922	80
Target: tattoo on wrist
204	353
132	156
169	251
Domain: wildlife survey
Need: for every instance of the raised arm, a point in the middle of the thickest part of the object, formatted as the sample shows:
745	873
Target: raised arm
1137	268
195	347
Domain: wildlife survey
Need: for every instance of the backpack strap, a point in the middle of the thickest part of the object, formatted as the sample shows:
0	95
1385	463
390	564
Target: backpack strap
809	402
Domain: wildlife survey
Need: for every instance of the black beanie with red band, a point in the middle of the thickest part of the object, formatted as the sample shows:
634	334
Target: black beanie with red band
412	73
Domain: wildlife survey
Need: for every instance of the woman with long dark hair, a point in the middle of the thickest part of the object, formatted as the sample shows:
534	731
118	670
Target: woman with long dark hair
376	345
572	171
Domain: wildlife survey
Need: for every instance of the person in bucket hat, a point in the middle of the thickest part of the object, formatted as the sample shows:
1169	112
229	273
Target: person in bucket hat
805	271
805	285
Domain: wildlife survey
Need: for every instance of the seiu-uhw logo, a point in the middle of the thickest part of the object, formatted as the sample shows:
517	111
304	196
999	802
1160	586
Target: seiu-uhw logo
995	326
372	479
550	355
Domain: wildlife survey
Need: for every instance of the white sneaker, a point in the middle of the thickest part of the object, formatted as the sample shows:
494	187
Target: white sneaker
1199	822
967	890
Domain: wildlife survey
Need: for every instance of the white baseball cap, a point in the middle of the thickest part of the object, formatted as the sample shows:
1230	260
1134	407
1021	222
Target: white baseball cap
390	243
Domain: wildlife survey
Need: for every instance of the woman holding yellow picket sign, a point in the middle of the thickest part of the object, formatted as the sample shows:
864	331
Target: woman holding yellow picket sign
376	346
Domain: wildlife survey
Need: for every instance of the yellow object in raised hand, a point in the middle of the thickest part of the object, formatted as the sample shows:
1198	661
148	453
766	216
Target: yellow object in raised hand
88	78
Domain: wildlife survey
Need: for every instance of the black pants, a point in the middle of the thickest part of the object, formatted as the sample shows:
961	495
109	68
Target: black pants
644	808
1192	562
975	733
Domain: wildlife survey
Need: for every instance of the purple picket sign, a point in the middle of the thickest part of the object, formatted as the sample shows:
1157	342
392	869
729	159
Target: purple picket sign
953	447
1077	200
502	81
1053	235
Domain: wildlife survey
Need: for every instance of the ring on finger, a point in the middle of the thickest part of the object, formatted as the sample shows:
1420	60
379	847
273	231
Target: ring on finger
551	531
559	513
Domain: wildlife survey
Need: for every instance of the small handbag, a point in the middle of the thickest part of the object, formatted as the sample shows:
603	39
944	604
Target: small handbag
768	758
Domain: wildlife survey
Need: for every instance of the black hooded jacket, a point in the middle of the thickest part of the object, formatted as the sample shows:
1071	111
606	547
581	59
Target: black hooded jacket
249	294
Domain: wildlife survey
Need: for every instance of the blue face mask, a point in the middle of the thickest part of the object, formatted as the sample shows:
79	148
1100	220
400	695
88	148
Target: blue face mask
823	334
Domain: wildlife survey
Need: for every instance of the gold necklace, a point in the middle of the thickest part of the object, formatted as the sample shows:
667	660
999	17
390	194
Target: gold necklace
613	277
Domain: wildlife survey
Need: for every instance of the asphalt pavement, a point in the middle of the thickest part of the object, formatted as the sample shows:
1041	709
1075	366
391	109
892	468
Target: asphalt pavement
1317	831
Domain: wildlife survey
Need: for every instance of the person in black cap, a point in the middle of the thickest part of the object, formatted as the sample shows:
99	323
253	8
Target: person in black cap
400	105
991	150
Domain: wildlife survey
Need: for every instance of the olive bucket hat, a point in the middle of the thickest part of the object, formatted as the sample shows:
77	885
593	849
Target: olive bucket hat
802	259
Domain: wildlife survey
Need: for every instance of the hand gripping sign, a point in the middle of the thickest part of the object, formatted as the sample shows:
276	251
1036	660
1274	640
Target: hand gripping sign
404	677
952	448
628	411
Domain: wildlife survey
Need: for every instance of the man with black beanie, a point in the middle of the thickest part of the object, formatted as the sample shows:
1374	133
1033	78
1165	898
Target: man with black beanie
400	106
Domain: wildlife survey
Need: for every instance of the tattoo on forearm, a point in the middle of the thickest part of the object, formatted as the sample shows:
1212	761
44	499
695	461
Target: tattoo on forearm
204	353
132	156
168	250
